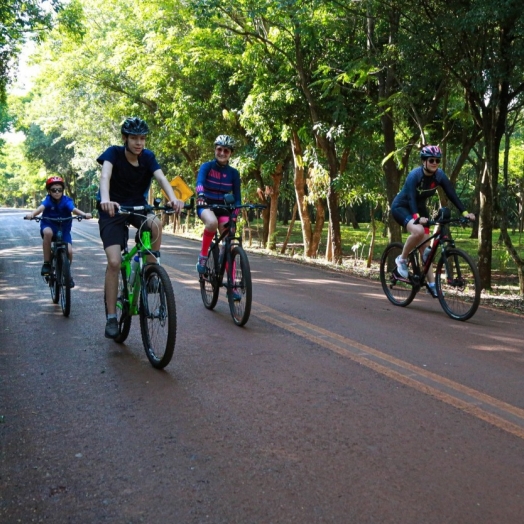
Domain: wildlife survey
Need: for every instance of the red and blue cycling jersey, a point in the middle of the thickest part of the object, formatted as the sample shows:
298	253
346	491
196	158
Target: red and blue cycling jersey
214	181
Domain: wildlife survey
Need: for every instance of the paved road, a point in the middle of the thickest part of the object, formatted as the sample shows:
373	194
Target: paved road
330	405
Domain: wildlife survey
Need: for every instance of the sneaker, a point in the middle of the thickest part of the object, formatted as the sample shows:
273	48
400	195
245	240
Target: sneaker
46	269
432	290
112	329
71	283
402	267
201	265
237	297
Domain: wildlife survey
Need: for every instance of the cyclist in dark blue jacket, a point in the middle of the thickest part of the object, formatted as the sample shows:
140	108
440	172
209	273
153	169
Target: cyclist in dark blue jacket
216	179
409	206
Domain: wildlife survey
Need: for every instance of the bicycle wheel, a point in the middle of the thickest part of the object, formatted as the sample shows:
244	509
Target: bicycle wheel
239	297
122	308
459	286
158	316
399	292
54	279
65	283
209	284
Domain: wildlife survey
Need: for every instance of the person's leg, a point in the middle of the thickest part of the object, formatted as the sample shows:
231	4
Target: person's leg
154	225
416	235
114	258
210	226
47	235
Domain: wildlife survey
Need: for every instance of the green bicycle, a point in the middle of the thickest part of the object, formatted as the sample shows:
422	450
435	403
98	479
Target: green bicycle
145	289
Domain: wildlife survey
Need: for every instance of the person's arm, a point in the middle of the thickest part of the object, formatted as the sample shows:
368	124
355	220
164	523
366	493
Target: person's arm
77	211
448	188
105	180
410	188
176	204
36	212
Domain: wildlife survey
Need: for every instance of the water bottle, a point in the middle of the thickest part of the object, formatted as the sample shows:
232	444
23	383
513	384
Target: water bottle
134	268
425	256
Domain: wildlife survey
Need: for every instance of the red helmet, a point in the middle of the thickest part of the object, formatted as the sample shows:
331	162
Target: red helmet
54	180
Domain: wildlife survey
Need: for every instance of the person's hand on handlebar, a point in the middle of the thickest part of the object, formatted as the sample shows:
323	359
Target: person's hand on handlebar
471	216
176	204
201	199
109	207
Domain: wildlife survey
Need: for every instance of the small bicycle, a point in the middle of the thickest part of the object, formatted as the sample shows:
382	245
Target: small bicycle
59	278
457	279
226	255
145	289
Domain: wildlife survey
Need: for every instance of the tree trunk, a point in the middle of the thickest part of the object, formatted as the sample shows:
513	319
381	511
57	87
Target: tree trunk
275	191
289	229
300	191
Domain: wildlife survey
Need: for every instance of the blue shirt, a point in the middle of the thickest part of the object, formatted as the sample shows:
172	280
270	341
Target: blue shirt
58	209
129	184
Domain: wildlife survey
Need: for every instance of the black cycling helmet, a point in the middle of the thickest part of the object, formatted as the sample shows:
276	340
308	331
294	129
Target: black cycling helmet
134	126
225	141
430	152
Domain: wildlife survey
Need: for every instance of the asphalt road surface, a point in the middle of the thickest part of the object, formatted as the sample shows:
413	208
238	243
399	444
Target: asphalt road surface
330	405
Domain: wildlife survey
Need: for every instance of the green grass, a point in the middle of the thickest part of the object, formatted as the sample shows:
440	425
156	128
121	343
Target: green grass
356	242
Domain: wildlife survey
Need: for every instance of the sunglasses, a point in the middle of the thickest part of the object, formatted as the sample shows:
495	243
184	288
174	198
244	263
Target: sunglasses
56	190
223	150
434	160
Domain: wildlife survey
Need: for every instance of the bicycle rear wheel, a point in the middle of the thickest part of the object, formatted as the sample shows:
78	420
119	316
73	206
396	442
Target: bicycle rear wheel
459	286
398	291
54	279
122	308
209	284
65	283
158	316
239	297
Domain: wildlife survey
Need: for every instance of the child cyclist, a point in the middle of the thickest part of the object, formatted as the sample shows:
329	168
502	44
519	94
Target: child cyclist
55	205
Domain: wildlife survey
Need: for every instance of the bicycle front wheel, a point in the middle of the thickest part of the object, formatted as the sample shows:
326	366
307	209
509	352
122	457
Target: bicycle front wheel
54	280
399	291
158	316
458	284
65	283
209	284
239	287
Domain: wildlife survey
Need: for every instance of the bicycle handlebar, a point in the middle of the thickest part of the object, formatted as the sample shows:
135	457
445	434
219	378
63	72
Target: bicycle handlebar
58	220
130	210
231	207
463	221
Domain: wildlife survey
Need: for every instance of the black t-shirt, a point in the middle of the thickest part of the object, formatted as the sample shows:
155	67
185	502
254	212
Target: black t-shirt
129	184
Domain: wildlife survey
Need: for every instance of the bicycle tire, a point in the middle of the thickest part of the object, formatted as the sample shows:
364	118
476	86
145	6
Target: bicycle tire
398	292
122	308
54	279
240	277
209	282
459	292
158	316
65	283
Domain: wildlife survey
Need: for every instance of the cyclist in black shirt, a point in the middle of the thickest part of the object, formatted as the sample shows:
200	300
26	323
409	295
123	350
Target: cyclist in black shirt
409	206
127	173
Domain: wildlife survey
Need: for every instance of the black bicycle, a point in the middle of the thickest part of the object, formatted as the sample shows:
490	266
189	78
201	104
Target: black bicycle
457	279
59	278
227	256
